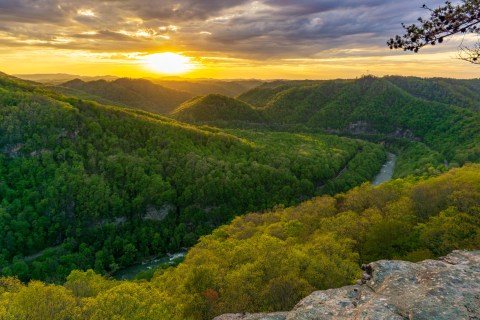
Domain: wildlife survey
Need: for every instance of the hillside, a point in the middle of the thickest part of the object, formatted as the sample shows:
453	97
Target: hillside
216	108
457	92
84	185
269	261
59	78
132	93
209	86
438	290
265	262
429	121
462	93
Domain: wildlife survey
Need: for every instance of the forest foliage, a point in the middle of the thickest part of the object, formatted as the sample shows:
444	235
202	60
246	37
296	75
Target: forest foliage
134	93
213	108
268	261
88	189
431	122
87	186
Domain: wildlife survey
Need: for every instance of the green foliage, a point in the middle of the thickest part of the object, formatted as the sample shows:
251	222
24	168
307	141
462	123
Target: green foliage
441	113
415	158
133	93
214	108
261	95
458	92
261	261
439	117
209	86
84	186
268	261
96	188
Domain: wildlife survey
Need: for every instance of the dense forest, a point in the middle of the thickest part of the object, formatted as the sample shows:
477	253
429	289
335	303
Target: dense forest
215	109
426	119
269	191
88	186
268	261
430	131
200	87
134	93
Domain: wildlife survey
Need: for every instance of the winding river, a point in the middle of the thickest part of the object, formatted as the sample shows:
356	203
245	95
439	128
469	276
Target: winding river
386	172
130	272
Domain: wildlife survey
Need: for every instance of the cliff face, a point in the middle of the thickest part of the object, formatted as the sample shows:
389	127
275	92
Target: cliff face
448	288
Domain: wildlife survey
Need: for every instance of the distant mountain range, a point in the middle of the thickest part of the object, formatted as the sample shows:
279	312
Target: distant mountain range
229	88
88	186
58	78
441	113
438	113
134	93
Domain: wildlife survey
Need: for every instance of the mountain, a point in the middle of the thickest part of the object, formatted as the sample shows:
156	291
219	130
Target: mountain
88	189
268	261
261	95
132	93
215	108
84	185
59	78
458	92
379	108
209	86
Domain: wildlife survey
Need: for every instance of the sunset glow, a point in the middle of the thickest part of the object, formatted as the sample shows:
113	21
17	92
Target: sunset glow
263	39
169	63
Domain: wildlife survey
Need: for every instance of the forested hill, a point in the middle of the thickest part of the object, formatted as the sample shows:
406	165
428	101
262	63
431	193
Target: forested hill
425	121
200	87
458	92
264	262
462	93
134	93
216	108
84	185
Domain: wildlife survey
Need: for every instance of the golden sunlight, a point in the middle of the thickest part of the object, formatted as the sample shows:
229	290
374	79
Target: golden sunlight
169	63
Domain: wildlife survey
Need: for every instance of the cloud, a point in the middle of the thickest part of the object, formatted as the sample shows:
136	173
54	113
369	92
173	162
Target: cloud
262	29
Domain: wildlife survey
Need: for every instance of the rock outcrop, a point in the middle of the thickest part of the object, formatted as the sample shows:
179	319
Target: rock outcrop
443	289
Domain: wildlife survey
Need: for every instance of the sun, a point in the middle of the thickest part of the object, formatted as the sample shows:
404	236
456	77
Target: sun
169	63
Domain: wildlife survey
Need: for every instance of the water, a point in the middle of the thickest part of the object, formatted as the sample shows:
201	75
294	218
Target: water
130	272
386	172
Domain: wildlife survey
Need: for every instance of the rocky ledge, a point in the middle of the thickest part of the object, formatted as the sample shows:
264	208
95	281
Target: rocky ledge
443	289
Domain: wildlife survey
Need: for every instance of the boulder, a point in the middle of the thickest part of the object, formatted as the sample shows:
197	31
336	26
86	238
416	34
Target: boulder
443	289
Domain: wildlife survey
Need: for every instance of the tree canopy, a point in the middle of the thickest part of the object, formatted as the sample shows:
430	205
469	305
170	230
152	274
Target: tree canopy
445	21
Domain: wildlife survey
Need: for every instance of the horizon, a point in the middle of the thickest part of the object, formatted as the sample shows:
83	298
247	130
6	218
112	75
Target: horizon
235	39
110	77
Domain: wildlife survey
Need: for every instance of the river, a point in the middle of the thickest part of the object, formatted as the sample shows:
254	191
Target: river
386	172
130	272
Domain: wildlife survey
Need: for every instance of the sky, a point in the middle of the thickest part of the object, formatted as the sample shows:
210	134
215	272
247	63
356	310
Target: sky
231	39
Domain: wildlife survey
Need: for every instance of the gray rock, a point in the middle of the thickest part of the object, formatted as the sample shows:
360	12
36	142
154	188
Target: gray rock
444	289
253	316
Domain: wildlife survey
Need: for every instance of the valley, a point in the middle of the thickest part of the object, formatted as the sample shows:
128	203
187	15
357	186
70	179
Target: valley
282	189
239	160
109	169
